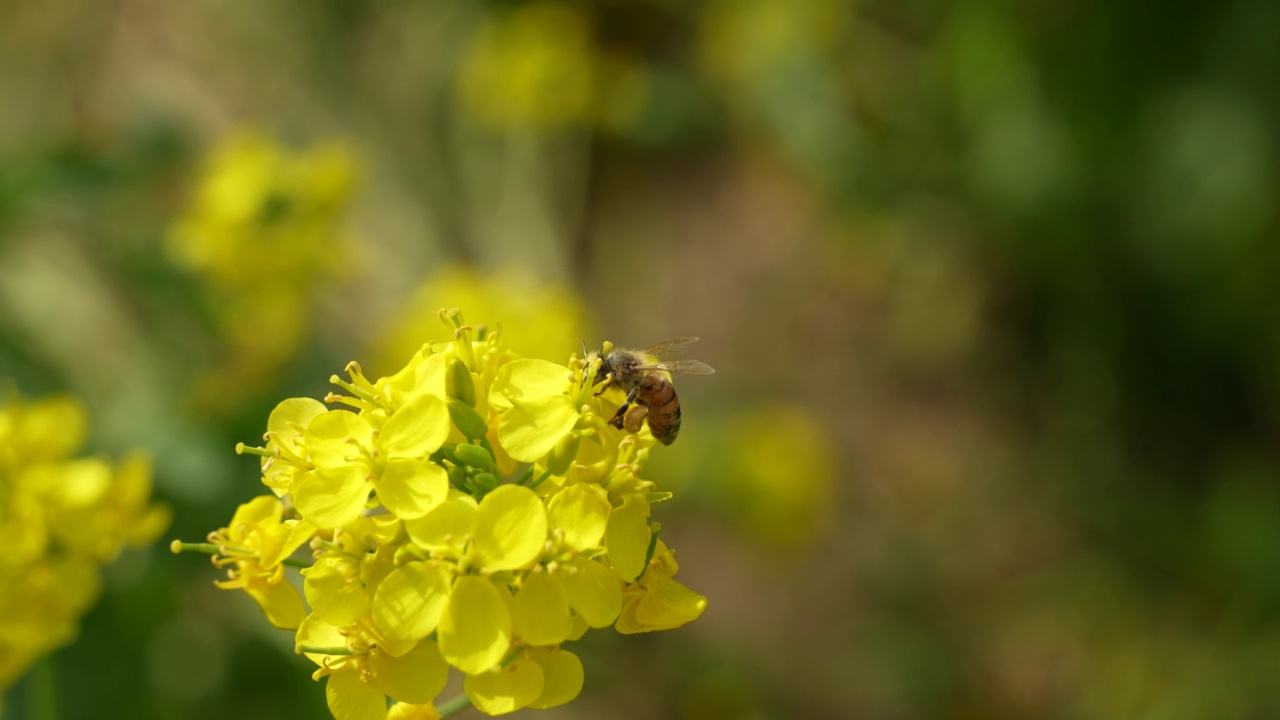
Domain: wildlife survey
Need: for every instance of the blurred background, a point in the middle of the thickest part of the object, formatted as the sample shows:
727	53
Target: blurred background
989	287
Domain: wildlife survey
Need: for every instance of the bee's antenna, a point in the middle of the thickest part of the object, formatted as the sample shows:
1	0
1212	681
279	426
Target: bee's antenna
584	348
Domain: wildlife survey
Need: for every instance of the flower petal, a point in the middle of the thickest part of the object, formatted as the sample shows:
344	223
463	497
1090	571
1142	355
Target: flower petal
332	594
505	690
510	528
595	591
668	604
416	429
561	676
409	488
409	711
315	632
279	601
263	507
328	435
582	511
444	528
290	419
475	628
408	602
627	536
334	497
532	427
416	677
540	611
528	378
352	699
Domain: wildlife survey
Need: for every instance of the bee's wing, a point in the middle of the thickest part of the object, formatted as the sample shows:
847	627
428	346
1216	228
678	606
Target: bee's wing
686	367
669	348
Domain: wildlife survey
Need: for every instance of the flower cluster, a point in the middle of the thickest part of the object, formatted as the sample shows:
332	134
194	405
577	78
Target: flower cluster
264	226
62	518
474	510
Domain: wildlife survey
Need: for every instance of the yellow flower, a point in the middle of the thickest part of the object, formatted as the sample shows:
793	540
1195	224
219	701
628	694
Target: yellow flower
656	601
256	544
340	584
62	518
506	531
472	510
365	669
538	678
353	456
538	319
530	67
262	228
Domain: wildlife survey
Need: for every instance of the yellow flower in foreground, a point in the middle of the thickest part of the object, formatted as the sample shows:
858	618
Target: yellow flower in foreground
370	669
474	511
656	601
62	518
255	544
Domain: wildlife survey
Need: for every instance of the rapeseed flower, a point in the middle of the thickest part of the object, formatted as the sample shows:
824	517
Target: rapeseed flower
263	228
473	511
62	518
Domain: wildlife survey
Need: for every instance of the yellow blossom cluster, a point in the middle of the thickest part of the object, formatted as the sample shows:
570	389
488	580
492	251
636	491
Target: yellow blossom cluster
263	227
475	510
62	518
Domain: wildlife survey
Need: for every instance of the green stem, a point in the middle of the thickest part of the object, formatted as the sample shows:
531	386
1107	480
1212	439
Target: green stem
452	707
324	650
42	691
541	477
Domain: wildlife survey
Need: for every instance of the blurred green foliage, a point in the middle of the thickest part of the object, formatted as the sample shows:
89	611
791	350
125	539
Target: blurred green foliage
1014	260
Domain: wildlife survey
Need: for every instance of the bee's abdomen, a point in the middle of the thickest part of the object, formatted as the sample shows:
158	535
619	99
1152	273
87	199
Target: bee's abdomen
664	408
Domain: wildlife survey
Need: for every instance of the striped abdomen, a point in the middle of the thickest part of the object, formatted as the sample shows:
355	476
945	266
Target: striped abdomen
657	393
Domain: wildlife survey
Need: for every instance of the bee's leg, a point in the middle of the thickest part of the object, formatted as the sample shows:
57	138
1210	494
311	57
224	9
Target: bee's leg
634	418
616	420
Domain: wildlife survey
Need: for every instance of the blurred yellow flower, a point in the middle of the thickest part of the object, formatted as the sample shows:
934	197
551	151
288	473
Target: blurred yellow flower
538	319
262	228
63	518
783	471
531	67
751	45
770	469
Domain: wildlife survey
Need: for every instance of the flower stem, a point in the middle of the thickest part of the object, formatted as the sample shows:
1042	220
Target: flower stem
324	650
42	691
452	707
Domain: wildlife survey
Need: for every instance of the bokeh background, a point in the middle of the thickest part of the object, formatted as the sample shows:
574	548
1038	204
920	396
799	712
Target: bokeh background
990	288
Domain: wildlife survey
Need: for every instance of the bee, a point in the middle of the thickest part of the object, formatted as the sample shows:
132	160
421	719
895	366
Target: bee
650	394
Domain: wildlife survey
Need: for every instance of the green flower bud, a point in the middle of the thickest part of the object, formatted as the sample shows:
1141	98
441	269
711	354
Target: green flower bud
485	482
466	419
475	456
458	478
458	383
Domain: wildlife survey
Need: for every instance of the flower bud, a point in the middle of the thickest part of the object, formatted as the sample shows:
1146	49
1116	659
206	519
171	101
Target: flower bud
484	482
458	383
466	419
458	478
474	455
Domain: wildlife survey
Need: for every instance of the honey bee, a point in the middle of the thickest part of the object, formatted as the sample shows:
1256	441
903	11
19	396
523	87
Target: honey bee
649	394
